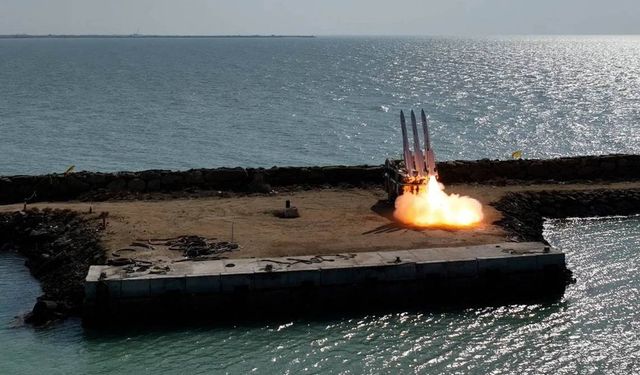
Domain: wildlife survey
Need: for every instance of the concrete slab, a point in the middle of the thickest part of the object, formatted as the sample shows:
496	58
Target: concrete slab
368	259
247	274
206	268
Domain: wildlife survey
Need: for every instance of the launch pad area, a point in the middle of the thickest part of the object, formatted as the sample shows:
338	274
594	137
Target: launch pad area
339	231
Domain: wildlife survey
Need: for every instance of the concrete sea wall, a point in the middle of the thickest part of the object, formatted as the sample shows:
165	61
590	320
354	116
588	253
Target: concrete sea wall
96	186
304	286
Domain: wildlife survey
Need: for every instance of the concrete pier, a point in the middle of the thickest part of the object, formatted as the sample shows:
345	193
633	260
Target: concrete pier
263	286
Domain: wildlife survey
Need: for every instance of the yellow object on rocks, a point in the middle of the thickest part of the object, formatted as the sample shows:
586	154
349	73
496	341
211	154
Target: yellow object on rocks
70	170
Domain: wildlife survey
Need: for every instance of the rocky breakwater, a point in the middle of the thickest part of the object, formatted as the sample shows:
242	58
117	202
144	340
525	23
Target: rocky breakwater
59	245
524	212
620	167
100	186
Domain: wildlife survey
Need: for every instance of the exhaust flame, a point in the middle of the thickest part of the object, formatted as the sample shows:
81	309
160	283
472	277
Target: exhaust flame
430	206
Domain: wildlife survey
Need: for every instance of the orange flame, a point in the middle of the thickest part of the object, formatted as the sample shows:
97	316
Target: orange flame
430	206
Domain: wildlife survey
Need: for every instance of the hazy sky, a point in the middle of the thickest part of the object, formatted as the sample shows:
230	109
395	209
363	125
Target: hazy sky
377	17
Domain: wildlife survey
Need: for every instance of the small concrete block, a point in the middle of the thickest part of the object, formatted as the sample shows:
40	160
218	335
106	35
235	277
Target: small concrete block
429	270
203	284
135	288
462	268
230	282
94	273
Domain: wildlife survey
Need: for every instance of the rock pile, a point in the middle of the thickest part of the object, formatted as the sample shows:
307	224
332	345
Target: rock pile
59	245
101	186
524	213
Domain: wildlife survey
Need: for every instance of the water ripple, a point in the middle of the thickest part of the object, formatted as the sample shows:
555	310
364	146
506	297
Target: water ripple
167	103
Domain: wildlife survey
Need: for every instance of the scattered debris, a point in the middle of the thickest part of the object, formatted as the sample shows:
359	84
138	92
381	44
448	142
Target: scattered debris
120	261
311	260
159	270
194	247
137	266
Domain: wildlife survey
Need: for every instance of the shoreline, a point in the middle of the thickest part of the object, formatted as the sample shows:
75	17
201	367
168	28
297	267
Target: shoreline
141	36
97	186
62	240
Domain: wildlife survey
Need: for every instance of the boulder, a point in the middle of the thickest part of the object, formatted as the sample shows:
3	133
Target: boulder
44	311
137	185
172	181
226	178
118	184
193	178
154	185
258	184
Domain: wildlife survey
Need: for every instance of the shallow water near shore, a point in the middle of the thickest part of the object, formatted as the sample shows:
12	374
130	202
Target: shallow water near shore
592	330
131	104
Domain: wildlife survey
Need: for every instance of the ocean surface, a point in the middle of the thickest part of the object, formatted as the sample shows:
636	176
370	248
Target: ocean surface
131	104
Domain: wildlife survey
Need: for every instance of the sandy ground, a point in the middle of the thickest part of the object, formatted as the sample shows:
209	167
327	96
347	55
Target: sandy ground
331	221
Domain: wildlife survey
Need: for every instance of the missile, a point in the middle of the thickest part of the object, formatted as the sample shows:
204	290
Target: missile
428	151
408	160
417	151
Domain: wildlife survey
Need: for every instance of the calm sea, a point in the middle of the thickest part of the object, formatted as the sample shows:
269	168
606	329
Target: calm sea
114	104
131	104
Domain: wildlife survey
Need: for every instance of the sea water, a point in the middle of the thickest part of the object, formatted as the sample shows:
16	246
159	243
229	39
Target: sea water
132	104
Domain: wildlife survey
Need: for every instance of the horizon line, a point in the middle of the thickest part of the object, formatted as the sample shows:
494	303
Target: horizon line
136	35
